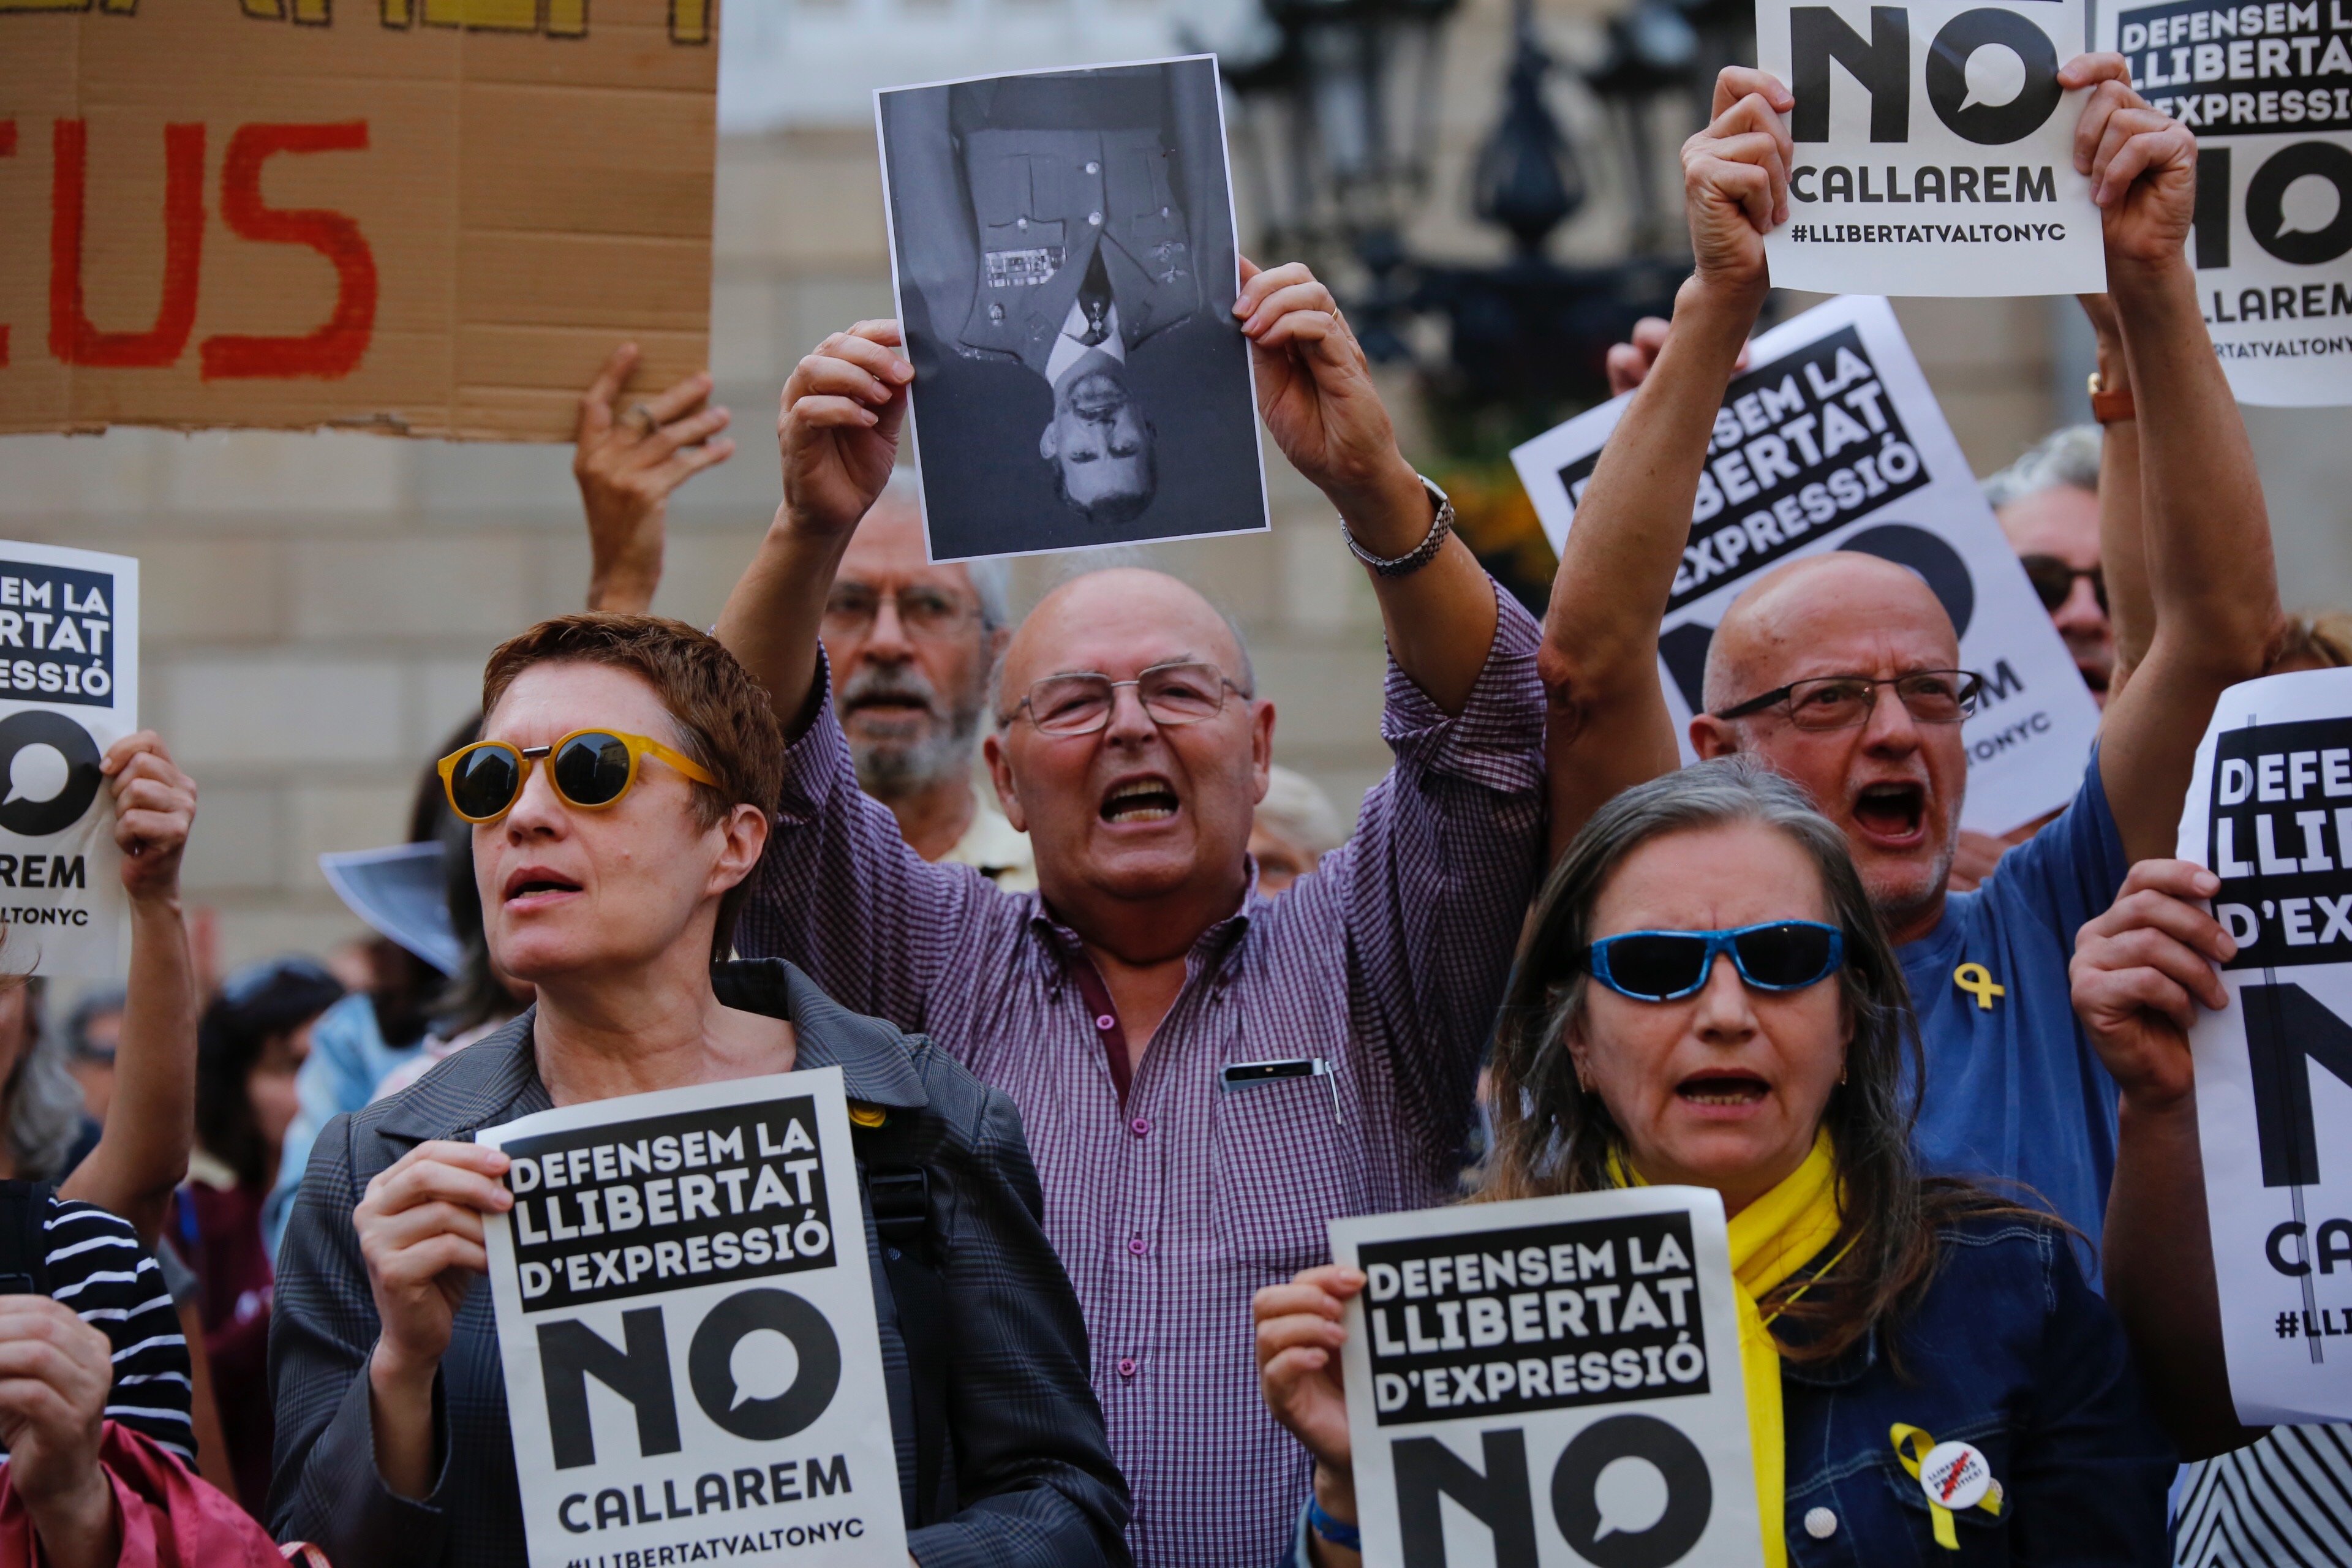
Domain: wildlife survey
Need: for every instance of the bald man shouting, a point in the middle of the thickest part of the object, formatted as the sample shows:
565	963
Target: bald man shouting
1841	670
1205	1075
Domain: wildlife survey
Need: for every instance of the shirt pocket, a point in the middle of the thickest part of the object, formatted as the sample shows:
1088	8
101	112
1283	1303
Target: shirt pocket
1882	1519
1284	1164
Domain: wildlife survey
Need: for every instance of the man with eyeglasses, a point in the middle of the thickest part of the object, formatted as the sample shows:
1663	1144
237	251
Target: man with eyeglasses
1206	1075
912	647
1841	670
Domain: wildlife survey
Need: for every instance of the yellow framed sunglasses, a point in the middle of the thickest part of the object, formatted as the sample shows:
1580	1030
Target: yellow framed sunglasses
591	769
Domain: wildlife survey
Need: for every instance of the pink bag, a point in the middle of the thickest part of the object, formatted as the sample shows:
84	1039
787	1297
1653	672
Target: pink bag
171	1518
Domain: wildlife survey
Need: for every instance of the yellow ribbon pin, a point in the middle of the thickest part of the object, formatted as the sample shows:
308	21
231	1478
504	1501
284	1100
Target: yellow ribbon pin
865	1115
1978	981
1916	1448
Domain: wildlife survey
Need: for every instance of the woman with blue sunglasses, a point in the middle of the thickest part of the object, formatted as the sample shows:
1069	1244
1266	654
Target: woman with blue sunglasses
1705	998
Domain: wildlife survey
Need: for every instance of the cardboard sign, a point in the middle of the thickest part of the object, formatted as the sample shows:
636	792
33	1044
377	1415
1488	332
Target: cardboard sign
2270	812
419	217
1833	441
2268	90
1564	1371
69	690
1934	149
687	1326
1062	244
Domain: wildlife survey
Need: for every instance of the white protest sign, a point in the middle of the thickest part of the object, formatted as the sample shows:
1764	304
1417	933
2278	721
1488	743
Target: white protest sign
1937	156
2268	90
2270	812
1564	1371
687	1327
69	690
1833	441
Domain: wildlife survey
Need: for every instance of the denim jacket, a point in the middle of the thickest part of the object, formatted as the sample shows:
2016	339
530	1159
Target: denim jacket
2010	1350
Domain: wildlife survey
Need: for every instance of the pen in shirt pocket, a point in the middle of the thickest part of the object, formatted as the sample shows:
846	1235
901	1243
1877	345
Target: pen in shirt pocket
1252	1075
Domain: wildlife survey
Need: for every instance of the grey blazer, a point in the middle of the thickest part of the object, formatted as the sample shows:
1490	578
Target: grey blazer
1034	1483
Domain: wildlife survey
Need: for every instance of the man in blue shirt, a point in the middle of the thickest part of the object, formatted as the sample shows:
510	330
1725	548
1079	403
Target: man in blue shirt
1841	670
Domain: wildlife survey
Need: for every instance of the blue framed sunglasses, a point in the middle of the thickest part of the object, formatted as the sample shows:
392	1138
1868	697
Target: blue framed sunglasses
1668	965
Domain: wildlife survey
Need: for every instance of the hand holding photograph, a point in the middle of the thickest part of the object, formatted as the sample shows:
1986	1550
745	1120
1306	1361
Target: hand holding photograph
1062	247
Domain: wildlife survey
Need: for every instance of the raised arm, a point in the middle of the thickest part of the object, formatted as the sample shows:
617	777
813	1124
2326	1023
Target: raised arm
1315	392
628	461
2209	573
2140	973
1607	725
2123	534
143	1153
838	433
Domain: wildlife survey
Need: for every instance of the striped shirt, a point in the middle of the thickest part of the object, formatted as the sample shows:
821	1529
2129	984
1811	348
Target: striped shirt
1170	1201
97	1267
2283	1501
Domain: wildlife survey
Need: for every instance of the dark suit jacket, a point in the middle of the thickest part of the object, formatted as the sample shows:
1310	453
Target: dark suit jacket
1033	1467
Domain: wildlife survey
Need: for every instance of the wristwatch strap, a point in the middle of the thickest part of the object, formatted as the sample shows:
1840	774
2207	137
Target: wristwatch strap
1421	554
2111	408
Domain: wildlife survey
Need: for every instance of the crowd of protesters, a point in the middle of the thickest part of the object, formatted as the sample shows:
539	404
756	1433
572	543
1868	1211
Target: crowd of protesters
1031	882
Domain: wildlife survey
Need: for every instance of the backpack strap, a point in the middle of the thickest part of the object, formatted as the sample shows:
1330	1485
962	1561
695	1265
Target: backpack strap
24	1242
901	1195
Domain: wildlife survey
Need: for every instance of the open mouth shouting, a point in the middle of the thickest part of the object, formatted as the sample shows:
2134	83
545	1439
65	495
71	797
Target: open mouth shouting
536	888
1726	1091
1147	799
1892	815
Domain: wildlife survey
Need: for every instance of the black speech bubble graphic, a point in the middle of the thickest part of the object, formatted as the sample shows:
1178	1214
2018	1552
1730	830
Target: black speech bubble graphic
1690	1492
2266	203
1993	125
764	1420
39	727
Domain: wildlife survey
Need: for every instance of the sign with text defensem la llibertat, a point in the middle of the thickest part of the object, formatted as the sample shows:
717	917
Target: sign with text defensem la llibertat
2270	812
1564	1372
688	1325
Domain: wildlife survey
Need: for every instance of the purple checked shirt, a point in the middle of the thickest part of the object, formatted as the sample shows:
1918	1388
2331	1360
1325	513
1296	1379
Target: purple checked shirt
1172	1209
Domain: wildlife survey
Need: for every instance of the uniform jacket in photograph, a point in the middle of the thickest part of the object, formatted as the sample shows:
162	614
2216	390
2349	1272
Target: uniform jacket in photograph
1002	1459
1061	169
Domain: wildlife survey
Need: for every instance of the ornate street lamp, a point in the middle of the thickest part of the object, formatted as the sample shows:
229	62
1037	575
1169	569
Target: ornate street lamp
1337	116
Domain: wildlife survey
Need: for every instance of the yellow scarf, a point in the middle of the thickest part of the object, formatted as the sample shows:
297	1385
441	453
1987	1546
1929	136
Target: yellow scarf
1771	1238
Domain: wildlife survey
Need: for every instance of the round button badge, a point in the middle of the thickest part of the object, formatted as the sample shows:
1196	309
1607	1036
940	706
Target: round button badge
49	773
1955	1474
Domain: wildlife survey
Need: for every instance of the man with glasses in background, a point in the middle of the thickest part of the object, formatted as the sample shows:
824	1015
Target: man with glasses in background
913	648
1840	669
1205	1075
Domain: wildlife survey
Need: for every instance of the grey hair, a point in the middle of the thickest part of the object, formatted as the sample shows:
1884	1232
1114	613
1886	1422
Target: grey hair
2067	456
992	584
1297	810
43	1102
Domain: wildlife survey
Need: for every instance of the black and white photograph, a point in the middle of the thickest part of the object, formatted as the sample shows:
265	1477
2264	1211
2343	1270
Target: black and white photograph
1063	246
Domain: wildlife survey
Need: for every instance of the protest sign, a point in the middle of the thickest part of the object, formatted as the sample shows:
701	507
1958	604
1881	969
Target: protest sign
2268	90
69	690
1937	156
1062	244
2270	813
420	216
1564	1371
687	1327
1833	441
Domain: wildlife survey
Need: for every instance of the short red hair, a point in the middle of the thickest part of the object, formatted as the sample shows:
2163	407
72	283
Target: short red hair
724	719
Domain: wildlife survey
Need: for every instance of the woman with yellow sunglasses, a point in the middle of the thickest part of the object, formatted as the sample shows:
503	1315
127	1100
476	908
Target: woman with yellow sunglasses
609	878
